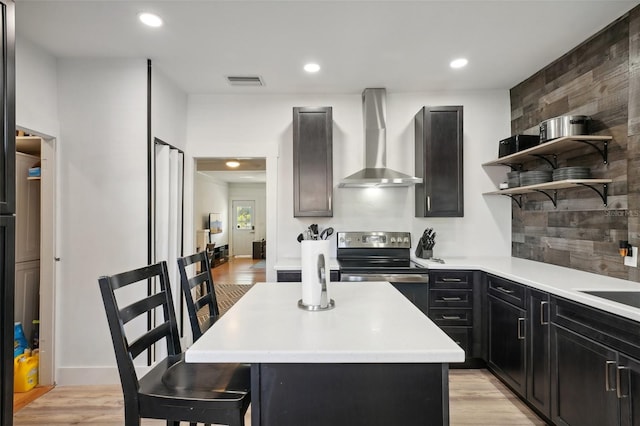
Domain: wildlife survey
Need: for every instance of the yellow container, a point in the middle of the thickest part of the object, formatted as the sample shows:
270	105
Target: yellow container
25	372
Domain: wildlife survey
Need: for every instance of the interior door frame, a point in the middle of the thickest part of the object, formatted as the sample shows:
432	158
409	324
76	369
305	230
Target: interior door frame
48	255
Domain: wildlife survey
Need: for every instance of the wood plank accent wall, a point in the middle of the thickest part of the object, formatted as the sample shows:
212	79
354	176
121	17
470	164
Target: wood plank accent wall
600	78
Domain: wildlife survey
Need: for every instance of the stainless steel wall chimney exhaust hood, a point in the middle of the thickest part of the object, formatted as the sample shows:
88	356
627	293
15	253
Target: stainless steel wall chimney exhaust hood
376	173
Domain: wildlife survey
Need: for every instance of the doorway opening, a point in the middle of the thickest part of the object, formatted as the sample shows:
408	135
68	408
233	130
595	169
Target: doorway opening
35	253
232	191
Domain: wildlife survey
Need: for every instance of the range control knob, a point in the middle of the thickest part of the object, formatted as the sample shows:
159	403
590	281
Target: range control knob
406	240
393	240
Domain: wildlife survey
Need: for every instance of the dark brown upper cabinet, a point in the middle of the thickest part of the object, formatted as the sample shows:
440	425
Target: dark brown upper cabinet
439	162
312	162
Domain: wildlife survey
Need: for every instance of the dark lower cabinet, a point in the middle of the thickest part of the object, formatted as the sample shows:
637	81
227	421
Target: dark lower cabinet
417	293
583	379
455	305
507	343
295	276
539	351
628	372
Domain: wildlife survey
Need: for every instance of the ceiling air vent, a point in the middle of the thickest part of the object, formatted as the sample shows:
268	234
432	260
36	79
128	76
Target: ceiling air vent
245	80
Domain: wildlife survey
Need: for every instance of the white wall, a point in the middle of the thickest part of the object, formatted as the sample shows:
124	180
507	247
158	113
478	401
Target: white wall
217	123
212	197
36	89
103	196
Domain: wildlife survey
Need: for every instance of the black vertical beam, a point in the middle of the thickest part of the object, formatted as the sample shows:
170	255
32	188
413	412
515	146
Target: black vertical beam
7	208
149	195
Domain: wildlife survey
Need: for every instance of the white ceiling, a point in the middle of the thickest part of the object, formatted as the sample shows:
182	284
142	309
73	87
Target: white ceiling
400	45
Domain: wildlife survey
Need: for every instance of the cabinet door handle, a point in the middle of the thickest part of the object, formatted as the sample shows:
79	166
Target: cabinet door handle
542	311
607	376
428	203
505	290
619	382
521	333
451	299
451	317
451	280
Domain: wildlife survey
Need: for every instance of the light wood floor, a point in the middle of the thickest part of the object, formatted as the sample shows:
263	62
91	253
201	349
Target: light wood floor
239	270
476	398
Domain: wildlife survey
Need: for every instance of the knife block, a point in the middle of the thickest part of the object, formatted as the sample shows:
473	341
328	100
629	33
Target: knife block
423	254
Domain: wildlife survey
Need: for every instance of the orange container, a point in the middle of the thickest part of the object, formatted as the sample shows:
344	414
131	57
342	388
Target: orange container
25	372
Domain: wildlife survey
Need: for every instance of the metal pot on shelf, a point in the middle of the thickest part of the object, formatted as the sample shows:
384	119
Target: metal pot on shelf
565	125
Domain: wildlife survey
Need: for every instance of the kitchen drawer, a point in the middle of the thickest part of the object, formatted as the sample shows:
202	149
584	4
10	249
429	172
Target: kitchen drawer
462	336
448	298
617	332
451	317
450	279
506	290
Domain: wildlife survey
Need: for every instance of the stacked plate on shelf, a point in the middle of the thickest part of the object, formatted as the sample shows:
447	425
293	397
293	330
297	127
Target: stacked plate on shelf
564	173
535	177
513	179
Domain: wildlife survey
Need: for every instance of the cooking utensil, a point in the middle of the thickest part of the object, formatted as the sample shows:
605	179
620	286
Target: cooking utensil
565	125
313	230
326	233
300	237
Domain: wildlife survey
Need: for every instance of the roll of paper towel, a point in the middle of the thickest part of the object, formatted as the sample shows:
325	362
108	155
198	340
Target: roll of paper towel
311	282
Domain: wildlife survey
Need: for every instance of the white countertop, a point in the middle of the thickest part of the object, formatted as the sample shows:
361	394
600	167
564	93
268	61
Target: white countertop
293	264
558	280
372	322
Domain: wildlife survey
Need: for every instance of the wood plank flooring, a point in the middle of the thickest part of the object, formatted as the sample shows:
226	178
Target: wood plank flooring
477	398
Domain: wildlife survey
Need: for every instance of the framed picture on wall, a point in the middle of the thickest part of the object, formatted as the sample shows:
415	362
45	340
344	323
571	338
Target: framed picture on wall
215	223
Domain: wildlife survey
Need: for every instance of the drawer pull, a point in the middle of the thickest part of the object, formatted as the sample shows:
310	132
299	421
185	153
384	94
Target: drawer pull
451	299
505	290
451	280
451	317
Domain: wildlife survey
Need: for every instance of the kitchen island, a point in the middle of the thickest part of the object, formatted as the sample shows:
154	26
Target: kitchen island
374	359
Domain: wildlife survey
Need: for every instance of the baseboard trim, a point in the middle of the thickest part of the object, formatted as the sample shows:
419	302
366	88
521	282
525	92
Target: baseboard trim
68	376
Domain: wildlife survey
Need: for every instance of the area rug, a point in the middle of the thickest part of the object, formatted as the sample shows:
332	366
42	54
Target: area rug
227	295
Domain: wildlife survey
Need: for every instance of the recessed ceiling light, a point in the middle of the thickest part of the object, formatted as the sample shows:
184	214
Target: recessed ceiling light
311	67
458	63
150	19
233	164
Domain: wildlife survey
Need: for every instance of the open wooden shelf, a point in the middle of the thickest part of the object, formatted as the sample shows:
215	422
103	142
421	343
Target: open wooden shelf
543	188
559	184
554	147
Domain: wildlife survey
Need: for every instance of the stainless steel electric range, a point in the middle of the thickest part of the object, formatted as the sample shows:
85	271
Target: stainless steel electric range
378	256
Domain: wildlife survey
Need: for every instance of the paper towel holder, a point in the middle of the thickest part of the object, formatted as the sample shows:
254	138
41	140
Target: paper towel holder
306	307
325	304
